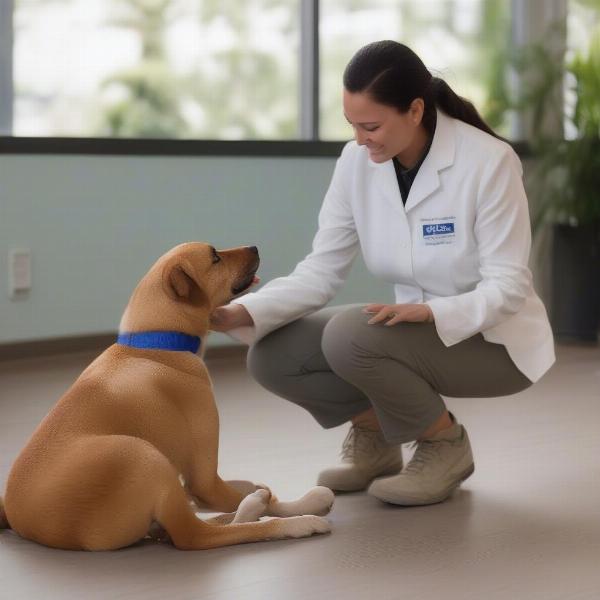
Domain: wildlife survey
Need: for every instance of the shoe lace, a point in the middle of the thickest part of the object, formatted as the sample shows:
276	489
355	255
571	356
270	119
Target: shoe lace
359	441
424	453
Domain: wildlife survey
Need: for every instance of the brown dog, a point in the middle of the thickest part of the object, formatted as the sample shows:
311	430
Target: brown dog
137	435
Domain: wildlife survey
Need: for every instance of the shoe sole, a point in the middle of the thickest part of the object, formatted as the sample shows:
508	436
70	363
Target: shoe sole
416	501
388	473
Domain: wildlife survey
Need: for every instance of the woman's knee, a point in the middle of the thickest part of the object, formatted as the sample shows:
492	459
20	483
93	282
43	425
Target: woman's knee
342	338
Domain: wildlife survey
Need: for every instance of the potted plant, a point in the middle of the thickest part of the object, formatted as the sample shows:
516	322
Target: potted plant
565	189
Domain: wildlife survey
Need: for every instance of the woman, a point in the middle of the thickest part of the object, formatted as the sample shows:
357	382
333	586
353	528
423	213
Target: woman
435	201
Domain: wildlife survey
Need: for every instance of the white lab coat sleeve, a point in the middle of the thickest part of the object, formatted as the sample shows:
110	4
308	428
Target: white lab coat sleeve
318	277
503	236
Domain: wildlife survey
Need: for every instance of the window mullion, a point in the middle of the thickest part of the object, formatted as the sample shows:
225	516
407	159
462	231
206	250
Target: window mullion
309	70
532	21
6	66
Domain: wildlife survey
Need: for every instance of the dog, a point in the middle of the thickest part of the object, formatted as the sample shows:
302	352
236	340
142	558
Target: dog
131	448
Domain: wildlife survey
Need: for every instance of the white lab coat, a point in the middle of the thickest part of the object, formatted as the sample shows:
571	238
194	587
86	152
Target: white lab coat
461	244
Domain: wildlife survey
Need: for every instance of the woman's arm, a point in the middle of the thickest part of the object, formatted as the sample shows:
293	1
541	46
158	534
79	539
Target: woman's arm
317	278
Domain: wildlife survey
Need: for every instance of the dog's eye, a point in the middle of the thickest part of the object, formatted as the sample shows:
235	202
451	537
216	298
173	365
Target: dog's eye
216	258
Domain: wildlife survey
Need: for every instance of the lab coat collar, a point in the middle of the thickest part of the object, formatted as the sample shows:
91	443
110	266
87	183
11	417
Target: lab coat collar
427	181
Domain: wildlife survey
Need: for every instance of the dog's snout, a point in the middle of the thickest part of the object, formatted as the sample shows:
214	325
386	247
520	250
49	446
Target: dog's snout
253	249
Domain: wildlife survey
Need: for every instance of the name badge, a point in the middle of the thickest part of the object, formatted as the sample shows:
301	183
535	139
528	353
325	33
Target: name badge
439	231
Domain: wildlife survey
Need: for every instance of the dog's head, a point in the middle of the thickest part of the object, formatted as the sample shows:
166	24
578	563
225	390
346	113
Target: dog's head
199	275
186	284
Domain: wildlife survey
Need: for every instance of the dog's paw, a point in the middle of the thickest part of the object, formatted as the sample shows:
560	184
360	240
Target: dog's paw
317	501
305	526
262	486
264	495
253	506
321	499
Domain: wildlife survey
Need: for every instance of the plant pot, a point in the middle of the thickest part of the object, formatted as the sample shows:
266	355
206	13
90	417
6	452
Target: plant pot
575	313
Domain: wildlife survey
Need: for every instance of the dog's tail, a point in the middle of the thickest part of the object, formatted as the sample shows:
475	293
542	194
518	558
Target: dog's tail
4	524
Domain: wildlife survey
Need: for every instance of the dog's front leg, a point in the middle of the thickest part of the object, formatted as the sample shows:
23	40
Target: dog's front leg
217	495
245	488
317	501
251	508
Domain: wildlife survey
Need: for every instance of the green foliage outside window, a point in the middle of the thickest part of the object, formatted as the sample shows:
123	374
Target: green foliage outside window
245	94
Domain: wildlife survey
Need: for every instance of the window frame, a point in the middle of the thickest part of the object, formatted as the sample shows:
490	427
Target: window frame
6	66
528	17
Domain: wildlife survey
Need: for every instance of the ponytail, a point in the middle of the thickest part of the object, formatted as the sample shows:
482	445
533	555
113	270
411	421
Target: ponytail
442	96
392	74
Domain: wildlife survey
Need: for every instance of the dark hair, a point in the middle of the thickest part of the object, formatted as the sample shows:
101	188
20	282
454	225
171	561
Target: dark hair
392	74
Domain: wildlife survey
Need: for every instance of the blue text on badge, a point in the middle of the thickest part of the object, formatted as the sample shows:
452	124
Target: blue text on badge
438	229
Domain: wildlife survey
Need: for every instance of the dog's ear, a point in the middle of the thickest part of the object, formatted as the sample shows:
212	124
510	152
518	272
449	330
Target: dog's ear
181	283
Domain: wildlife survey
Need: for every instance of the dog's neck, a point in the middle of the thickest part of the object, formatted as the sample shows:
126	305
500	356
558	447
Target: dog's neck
174	341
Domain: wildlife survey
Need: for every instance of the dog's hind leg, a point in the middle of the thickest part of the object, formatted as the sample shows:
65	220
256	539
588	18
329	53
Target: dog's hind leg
187	532
224	519
252	508
256	505
317	501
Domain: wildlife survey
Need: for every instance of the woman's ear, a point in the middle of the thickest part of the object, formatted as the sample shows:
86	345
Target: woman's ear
417	109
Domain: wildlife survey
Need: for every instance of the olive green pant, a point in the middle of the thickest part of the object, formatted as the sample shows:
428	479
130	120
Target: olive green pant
335	365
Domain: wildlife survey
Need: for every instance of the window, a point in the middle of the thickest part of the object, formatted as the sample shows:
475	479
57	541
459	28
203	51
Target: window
465	42
583	40
583	24
231	69
220	69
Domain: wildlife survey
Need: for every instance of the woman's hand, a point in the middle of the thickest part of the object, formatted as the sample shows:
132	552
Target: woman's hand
229	317
398	313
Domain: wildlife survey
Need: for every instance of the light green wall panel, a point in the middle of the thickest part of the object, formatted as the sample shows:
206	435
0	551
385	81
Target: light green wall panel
95	224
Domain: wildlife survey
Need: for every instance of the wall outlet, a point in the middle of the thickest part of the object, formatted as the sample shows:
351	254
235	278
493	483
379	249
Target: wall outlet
19	272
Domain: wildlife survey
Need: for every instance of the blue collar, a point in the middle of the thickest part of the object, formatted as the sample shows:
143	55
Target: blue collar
160	340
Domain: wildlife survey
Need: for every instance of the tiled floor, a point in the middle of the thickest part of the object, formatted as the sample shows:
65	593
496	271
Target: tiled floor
525	526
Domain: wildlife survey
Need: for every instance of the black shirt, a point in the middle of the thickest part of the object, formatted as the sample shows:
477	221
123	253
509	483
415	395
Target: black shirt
407	176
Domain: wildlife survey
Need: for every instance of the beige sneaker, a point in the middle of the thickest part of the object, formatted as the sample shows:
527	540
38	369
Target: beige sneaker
437	467
365	455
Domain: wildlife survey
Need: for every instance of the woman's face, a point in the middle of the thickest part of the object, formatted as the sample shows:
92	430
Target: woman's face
384	130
